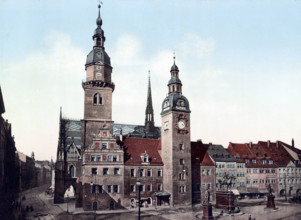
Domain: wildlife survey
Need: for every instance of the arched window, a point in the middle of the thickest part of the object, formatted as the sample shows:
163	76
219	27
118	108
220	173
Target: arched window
72	171
97	99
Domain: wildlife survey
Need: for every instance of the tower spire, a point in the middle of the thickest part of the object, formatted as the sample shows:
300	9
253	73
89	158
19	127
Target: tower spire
149	112
98	36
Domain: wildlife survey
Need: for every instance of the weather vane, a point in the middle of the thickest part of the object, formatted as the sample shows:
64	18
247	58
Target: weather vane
100	2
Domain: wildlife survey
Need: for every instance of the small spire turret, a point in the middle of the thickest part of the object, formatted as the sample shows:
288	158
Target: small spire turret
149	112
174	84
98	36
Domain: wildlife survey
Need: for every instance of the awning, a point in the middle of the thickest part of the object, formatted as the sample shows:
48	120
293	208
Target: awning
265	191
162	193
235	192
252	190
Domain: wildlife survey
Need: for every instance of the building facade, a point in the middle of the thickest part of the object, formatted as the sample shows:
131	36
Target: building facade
109	164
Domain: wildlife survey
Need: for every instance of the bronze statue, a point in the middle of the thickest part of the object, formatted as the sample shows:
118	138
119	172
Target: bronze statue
227	180
270	191
207	196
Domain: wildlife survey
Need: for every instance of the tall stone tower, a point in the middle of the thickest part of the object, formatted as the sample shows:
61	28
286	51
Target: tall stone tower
101	182
176	147
98	88
149	111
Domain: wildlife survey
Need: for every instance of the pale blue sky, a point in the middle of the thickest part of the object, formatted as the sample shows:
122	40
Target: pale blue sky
239	64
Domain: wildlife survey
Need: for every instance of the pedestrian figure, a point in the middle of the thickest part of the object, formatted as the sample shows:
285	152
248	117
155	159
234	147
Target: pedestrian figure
27	208
31	208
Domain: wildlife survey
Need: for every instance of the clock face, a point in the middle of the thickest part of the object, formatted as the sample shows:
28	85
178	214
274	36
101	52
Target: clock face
181	124
166	125
99	54
98	75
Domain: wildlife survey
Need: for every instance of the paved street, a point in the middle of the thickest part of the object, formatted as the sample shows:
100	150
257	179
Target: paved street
44	209
42	205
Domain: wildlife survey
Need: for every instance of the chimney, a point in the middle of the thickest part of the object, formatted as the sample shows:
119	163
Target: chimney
268	143
210	144
250	144
293	143
277	144
199	140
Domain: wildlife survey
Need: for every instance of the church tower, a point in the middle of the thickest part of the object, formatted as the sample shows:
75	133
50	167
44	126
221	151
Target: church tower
98	88
102	158
149	112
175	142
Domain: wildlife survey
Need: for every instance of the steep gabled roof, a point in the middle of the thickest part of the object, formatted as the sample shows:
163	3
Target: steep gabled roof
207	161
276	152
136	147
251	151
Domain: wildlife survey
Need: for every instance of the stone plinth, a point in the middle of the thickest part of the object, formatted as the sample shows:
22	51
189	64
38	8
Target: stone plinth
271	202
207	212
225	200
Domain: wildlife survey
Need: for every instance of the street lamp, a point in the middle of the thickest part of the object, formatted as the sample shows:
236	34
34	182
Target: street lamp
67	203
138	184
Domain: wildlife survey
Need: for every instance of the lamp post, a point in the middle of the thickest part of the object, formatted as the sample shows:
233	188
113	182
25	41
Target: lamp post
67	203
138	184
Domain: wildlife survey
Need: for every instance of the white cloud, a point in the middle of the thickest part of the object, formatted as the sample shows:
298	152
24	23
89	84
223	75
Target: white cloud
194	45
36	87
127	50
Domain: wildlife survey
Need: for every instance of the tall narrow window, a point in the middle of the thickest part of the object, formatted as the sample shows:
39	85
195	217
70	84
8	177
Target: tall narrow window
97	99
72	171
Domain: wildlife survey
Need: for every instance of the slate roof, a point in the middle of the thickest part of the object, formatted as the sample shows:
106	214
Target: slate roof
136	147
219	154
72	132
135	131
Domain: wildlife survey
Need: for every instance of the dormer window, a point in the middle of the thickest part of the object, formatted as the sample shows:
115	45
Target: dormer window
145	158
166	104
97	99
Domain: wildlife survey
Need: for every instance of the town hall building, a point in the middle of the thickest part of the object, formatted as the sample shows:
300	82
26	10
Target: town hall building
105	162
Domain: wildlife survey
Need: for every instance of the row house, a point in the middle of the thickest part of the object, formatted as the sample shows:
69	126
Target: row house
260	168
203	173
269	163
143	164
224	162
289	175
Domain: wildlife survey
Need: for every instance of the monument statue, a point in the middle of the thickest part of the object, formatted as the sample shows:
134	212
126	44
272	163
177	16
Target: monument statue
227	180
270	191
207	196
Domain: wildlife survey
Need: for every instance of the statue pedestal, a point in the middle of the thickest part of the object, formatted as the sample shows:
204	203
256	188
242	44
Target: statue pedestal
207	212
271	202
225	200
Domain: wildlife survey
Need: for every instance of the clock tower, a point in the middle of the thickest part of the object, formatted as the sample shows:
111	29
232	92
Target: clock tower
175	137
98	88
